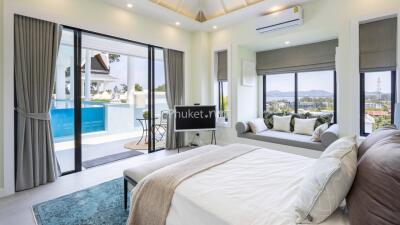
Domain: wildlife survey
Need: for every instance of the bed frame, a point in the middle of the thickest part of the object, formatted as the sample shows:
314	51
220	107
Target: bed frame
126	193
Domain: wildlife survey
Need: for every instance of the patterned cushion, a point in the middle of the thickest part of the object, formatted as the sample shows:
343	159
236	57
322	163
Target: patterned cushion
268	118
321	119
319	131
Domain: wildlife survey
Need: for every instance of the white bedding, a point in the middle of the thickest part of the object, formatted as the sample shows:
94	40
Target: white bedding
258	188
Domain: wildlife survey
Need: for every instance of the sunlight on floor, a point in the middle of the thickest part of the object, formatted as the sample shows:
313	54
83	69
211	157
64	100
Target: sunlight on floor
95	139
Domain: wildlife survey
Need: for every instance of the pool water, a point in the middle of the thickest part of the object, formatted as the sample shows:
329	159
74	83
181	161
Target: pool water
62	118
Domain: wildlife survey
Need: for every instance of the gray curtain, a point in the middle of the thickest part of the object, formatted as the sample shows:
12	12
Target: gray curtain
174	77
302	58
378	45
35	53
222	73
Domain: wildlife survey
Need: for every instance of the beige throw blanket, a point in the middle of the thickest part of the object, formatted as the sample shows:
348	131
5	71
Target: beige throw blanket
151	198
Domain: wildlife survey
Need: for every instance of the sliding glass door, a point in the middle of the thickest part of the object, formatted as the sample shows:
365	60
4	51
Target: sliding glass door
161	110
63	105
108	101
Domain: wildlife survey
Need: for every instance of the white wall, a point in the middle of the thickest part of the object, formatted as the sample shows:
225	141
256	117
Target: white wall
1	100
199	80
86	14
248	97
324	20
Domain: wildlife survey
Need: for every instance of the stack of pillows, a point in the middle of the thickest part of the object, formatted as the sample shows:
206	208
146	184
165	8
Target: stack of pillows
366	178
305	124
327	182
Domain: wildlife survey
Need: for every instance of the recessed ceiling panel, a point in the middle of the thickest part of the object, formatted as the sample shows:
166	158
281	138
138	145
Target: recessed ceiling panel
210	8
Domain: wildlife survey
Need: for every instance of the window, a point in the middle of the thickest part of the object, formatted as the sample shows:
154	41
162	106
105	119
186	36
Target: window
221	69
280	93
316	92
312	92
377	100
378	64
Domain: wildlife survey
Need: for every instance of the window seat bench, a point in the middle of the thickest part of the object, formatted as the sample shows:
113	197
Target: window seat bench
291	139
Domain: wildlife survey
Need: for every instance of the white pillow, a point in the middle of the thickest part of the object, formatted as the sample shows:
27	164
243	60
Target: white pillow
328	181
316	136
281	123
304	126
257	125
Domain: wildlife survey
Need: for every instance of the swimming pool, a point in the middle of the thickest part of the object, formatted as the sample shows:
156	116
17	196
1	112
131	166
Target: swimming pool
62	118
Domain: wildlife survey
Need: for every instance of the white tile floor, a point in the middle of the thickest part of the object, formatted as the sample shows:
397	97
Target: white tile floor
17	209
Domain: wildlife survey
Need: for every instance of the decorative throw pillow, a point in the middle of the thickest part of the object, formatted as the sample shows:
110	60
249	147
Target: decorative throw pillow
296	115
328	181
321	119
269	120
375	136
257	125
282	123
304	126
316	136
374	196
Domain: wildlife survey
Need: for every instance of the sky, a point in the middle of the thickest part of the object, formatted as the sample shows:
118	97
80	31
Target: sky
371	81
307	81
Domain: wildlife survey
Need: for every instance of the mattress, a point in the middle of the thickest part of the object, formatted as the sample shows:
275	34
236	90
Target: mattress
258	188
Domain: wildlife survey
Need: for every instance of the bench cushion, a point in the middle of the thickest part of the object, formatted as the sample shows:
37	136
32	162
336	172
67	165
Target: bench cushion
284	138
140	171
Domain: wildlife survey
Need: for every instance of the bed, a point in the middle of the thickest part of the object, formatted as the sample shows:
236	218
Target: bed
257	188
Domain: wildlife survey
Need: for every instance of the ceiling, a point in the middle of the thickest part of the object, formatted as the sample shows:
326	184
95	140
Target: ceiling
210	8
218	15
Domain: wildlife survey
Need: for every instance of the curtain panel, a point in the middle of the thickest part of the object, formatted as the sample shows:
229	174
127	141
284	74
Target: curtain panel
378	41
35	52
302	58
222	70
174	77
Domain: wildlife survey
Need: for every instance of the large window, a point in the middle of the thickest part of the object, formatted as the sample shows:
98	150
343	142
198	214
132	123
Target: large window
377	100
377	56
312	92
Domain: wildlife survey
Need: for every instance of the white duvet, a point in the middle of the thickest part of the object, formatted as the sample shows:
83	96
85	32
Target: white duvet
258	188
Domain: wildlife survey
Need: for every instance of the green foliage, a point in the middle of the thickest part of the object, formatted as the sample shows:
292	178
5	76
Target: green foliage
381	121
113	57
100	100
138	87
161	88
145	114
226	103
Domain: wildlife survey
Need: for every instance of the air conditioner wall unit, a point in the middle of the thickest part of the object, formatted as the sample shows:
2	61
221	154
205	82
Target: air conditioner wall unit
279	20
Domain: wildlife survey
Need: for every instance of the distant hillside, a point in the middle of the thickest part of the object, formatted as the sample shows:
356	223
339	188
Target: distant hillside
311	93
376	93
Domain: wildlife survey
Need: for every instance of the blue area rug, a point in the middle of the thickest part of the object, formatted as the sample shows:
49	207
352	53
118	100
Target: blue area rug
99	205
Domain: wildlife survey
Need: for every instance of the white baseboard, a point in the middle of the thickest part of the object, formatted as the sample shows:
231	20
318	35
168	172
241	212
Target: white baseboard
4	193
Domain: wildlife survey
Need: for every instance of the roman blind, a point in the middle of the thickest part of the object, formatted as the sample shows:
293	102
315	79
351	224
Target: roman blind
302	58
222	72
378	45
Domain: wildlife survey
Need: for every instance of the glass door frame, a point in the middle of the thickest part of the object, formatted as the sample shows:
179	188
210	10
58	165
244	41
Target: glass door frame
78	92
